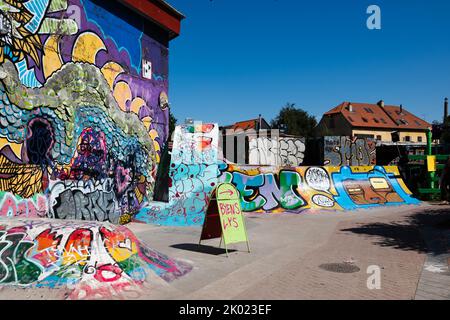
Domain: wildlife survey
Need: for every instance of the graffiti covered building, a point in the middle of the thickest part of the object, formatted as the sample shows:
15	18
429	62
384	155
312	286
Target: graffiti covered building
83	105
349	151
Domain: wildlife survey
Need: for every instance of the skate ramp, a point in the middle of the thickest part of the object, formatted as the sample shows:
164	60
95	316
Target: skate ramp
87	260
196	168
280	189
192	176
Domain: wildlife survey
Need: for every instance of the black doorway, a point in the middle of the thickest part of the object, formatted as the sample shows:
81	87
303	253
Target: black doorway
39	142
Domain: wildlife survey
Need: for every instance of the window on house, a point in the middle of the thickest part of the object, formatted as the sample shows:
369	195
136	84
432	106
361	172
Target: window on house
404	121
383	121
364	119
379	137
407	138
362	136
419	139
417	122
368	110
376	120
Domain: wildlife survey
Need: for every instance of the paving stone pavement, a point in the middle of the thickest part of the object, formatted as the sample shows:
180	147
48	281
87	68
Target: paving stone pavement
390	238
373	242
434	283
409	244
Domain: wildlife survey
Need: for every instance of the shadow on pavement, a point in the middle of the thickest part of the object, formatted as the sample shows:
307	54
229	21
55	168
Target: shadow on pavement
201	248
408	234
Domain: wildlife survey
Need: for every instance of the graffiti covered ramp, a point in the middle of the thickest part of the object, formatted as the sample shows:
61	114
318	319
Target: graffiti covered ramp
196	169
80	260
278	189
192	176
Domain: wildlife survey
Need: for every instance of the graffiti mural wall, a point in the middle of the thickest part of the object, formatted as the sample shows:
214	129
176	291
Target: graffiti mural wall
192	176
83	108
92	260
347	151
277	189
195	170
276	151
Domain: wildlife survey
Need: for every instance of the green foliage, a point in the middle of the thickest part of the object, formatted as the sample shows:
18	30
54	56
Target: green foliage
445	131
172	123
297	121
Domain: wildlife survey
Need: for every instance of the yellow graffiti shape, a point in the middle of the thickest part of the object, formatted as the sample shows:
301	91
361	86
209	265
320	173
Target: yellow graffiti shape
111	70
86	47
22	180
15	147
137	104
52	60
122	94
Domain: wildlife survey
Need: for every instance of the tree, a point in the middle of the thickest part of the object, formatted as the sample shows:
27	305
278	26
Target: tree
172	123
437	130
296	121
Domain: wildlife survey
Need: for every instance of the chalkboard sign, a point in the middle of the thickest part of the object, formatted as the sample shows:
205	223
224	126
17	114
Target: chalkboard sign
224	218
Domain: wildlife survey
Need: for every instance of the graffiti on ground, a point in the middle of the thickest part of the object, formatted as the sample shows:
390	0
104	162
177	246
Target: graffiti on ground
93	260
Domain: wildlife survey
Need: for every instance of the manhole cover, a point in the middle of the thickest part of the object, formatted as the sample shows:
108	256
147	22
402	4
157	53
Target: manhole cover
340	267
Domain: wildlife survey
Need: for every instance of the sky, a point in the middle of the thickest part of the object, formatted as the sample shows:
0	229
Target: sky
236	59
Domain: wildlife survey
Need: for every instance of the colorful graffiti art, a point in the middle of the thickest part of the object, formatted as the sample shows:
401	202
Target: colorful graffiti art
91	260
195	170
277	189
75	109
276	151
346	151
192	176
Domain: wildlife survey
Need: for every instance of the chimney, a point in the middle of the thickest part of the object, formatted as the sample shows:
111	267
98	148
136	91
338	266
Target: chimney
381	103
445	109
350	107
401	108
259	122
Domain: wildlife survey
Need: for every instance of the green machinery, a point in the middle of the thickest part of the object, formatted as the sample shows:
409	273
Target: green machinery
431	167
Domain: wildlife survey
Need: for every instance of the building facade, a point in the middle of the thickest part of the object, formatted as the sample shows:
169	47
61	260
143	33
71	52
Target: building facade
384	123
253	142
84	105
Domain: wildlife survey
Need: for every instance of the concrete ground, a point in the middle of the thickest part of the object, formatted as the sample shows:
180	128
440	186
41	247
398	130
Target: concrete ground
409	244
